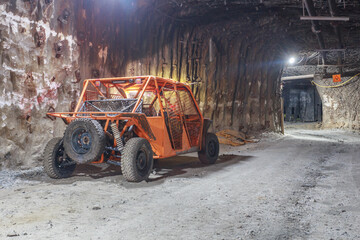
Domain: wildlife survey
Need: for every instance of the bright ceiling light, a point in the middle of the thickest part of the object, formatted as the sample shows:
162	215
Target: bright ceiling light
291	60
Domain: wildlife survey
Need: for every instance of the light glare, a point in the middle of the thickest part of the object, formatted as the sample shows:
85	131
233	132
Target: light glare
292	60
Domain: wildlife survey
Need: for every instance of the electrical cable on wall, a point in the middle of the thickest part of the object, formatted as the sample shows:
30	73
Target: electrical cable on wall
335	86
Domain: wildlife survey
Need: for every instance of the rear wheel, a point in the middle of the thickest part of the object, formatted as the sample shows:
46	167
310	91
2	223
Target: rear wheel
210	149
137	160
54	163
84	140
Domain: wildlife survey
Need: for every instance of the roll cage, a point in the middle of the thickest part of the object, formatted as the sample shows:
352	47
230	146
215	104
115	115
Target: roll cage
163	111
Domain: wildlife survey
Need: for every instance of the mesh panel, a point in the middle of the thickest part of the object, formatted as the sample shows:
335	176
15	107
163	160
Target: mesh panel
192	117
172	113
187	103
119	105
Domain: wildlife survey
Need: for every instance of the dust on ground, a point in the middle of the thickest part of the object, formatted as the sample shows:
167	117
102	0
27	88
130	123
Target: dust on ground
303	185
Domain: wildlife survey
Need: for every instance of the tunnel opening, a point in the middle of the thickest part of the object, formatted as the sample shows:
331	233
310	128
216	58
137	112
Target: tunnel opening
302	102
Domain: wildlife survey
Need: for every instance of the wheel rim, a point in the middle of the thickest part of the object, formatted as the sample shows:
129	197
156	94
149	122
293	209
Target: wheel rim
212	148
59	159
81	141
142	162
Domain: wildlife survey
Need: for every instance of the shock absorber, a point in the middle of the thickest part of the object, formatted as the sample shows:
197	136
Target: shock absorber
116	132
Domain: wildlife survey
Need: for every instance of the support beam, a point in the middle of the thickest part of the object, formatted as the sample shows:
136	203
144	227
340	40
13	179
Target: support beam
333	65
331	50
324	18
333	13
309	4
297	77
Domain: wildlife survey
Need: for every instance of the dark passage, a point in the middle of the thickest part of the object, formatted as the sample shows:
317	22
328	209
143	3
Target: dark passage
302	102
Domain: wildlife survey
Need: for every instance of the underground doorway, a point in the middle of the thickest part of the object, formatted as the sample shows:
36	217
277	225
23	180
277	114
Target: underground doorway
302	102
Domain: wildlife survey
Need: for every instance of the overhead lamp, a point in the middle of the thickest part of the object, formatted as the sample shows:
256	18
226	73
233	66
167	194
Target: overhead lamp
291	60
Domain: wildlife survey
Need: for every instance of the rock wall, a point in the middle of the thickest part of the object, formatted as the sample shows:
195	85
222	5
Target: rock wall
39	57
233	62
341	106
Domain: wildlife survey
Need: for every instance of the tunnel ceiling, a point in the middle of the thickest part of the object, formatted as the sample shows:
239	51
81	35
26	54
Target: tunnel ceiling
188	9
300	36
207	11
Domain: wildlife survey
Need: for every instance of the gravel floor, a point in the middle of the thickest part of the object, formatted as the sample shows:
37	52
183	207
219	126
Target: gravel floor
304	185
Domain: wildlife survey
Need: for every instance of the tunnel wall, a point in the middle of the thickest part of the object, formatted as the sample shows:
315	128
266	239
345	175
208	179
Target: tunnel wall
232	63
341	105
37	75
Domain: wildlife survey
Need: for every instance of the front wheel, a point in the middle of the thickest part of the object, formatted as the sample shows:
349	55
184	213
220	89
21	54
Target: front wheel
137	160
54	163
210	149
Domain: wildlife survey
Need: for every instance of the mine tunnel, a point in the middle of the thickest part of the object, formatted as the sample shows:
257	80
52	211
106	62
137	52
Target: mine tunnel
179	119
302	102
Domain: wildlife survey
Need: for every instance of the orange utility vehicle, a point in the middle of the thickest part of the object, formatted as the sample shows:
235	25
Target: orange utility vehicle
130	121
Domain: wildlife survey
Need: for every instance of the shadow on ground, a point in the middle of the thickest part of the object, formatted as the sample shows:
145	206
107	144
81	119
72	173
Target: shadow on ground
180	166
191	166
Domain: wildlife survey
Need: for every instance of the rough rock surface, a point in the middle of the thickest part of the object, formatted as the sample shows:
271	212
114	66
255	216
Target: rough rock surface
38	61
341	105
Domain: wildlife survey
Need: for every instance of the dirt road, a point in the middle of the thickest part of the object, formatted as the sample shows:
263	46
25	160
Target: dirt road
304	185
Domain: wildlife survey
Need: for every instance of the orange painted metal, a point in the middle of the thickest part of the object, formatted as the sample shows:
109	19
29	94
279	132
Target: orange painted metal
152	128
201	116
141	95
86	83
336	78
